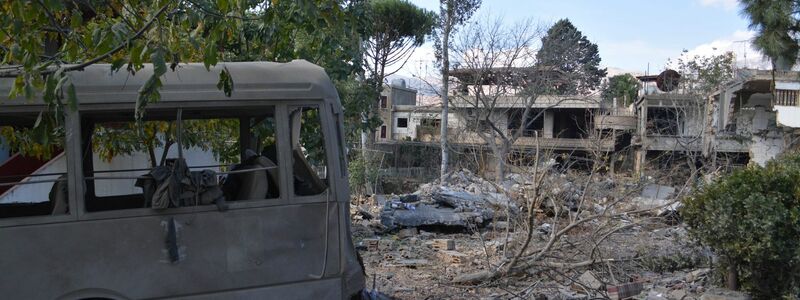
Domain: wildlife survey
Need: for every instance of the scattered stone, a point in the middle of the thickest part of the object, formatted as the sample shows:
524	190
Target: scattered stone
407	232
678	294
545	228
724	294
588	279
696	274
656	294
385	244
471	277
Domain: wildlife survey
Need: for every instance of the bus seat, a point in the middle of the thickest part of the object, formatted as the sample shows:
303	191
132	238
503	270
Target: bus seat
58	196
306	180
255	185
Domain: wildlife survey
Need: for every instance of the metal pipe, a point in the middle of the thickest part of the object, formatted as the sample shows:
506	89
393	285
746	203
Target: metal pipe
31	182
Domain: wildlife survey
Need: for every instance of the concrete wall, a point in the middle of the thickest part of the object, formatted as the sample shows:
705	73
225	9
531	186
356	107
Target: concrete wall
402	96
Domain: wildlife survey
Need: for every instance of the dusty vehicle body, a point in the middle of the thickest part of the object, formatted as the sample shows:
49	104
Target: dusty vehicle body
295	245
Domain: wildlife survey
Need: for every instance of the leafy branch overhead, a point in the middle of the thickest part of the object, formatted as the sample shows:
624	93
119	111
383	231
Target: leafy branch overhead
44	40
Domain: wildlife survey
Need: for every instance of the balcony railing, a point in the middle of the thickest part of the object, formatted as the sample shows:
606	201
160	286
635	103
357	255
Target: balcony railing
787	97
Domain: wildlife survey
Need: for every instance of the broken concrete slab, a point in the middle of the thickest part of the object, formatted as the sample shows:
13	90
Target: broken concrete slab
724	294
589	280
658	197
427	215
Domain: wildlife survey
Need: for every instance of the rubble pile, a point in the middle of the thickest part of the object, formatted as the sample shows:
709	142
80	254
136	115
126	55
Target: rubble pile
420	245
464	201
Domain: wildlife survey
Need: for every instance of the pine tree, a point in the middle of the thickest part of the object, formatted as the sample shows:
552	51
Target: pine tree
566	50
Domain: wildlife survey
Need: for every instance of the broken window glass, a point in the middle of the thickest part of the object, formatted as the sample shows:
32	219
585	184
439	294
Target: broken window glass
309	163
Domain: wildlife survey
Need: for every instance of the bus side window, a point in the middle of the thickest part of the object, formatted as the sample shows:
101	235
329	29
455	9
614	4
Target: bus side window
32	184
309	164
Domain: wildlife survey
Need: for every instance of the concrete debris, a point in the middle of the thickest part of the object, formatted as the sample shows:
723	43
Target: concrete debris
724	294
697	274
443	244
589	280
464	201
624	291
468	228
407	233
659	197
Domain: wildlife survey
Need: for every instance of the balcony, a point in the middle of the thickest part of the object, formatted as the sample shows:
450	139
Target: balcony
461	137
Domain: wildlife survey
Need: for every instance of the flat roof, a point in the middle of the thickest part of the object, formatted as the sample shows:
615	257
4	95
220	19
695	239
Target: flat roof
96	84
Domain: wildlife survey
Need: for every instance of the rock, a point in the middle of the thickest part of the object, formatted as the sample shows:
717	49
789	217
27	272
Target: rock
500	225
696	274
656	295
588	279
678	294
407	233
569	295
472	277
724	294
545	228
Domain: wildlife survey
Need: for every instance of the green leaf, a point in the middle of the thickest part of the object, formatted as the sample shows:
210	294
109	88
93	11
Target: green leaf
19	85
29	90
210	55
159	64
72	99
76	19
225	82
117	64
50	89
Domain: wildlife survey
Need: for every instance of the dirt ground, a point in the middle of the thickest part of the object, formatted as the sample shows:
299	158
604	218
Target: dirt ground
405	264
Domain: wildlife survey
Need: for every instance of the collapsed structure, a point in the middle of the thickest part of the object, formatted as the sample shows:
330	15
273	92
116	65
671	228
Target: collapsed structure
741	122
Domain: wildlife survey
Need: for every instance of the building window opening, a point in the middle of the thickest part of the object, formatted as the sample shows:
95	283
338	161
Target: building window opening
402	122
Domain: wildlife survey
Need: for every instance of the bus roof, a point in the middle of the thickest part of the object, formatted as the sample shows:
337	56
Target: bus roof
97	85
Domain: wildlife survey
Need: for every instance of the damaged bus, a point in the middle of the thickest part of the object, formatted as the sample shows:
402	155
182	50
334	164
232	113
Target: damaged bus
207	196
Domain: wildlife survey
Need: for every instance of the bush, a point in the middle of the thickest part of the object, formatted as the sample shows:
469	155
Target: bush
750	220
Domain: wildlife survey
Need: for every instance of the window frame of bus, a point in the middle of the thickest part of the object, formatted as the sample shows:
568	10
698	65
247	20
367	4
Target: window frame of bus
325	117
71	140
282	199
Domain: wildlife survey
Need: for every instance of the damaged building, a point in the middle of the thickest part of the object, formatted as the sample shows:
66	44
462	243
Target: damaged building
739	123
574	125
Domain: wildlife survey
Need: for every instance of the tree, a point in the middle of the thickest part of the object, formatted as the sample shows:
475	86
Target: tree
452	13
702	75
498	79
43	41
777	26
397	28
750	220
624	88
566	49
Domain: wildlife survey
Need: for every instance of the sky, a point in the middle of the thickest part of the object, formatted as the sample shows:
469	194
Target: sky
632	36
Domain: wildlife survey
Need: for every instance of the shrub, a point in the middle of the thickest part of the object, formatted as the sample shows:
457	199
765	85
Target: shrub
750	220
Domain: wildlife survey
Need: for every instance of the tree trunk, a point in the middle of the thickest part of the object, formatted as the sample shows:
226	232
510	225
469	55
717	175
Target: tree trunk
445	78
732	277
500	163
